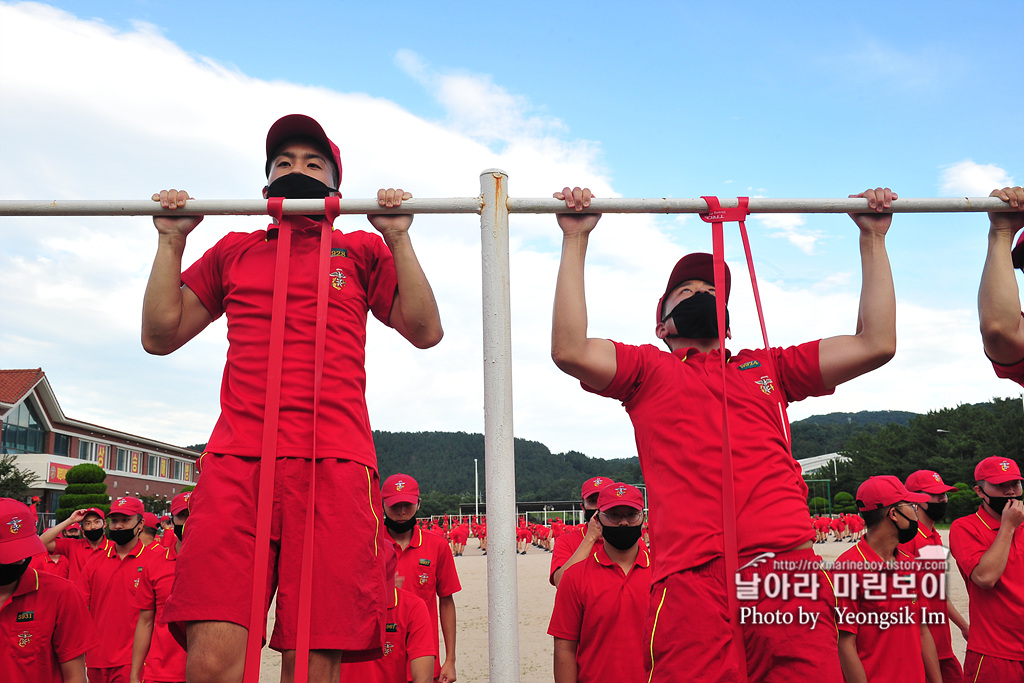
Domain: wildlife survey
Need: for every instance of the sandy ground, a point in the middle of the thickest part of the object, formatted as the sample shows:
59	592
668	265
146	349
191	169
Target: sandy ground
536	598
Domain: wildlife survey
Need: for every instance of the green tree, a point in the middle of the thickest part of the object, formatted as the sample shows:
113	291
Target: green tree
14	482
844	502
86	488
818	505
158	505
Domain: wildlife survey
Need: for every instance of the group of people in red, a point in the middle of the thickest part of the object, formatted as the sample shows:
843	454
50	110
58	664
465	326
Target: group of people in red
844	527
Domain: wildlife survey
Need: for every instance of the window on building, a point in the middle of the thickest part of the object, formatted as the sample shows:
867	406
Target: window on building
22	431
179	469
87	450
123	459
61	444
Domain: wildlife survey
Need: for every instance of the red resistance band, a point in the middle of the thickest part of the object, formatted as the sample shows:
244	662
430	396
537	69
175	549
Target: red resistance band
268	457
717	216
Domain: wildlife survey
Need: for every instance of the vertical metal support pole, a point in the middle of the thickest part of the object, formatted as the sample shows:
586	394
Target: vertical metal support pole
500	475
476	488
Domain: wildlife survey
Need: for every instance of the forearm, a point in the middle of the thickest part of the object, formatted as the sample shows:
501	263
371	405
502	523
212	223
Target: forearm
876	319
422	669
140	646
930	656
565	661
849	660
581	553
999	302
162	303
992	564
50	536
446	612
569	320
419	317
73	670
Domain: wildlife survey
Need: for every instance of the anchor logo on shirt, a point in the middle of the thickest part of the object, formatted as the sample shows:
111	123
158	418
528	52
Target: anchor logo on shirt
766	385
423	579
24	638
337	278
15	524
388	647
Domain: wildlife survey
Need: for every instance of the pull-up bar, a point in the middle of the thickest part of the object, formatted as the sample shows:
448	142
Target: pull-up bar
456	205
493	205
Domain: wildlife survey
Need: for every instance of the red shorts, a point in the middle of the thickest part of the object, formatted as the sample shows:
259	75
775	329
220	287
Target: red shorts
213	578
951	671
116	674
690	635
980	668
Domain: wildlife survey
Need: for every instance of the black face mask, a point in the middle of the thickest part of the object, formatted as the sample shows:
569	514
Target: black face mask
179	531
587	514
93	534
696	317
621	537
10	573
298	186
936	511
905	535
122	536
997	503
400	527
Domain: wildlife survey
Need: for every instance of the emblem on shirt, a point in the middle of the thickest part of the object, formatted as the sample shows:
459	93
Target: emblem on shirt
620	490
424	562
388	647
343	253
15	524
391	628
750	365
766	385
423	579
29	615
337	278
24	638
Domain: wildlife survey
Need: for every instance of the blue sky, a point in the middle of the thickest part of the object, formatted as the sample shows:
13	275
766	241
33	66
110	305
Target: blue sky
118	99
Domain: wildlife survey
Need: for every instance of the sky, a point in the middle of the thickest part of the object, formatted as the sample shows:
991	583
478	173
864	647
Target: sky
116	100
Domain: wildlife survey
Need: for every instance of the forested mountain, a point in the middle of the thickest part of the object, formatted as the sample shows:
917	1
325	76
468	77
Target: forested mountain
820	434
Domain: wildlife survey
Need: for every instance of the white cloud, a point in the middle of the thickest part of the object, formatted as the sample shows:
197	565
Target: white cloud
969	179
790	226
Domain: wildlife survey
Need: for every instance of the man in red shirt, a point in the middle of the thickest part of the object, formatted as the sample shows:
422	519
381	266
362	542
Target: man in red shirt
78	550
598	618
927	546
167	538
154	646
990	556
45	629
109	581
73	531
881	619
425	566
674	402
235	278
150	531
409	649
577	542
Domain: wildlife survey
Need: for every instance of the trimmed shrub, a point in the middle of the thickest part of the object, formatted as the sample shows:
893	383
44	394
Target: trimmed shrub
86	488
86	473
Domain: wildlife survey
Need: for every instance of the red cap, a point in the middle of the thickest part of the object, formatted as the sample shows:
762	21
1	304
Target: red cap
95	511
617	493
594	485
697	266
400	488
877	492
299	125
927	481
165	518
75	525
180	502
997	470
18	538
129	505
150	520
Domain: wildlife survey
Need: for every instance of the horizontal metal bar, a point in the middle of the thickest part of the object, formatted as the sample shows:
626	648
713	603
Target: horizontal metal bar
764	205
460	205
225	207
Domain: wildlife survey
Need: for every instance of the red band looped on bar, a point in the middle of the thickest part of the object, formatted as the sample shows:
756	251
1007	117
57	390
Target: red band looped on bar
716	214
332	206
275	207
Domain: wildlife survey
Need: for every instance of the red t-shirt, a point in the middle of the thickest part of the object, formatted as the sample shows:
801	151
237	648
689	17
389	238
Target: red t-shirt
603	610
933	594
78	551
406	637
58	567
427	570
43	624
168	540
674	401
1014	372
235	277
871	590
565	546
109	584
166	658
997	629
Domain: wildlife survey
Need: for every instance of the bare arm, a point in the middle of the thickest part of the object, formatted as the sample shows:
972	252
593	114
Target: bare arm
591	361
1002	327
957	618
422	669
171	313
849	660
73	670
586	547
930	656
140	646
446	612
992	564
565	660
50	536
414	311
847	356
